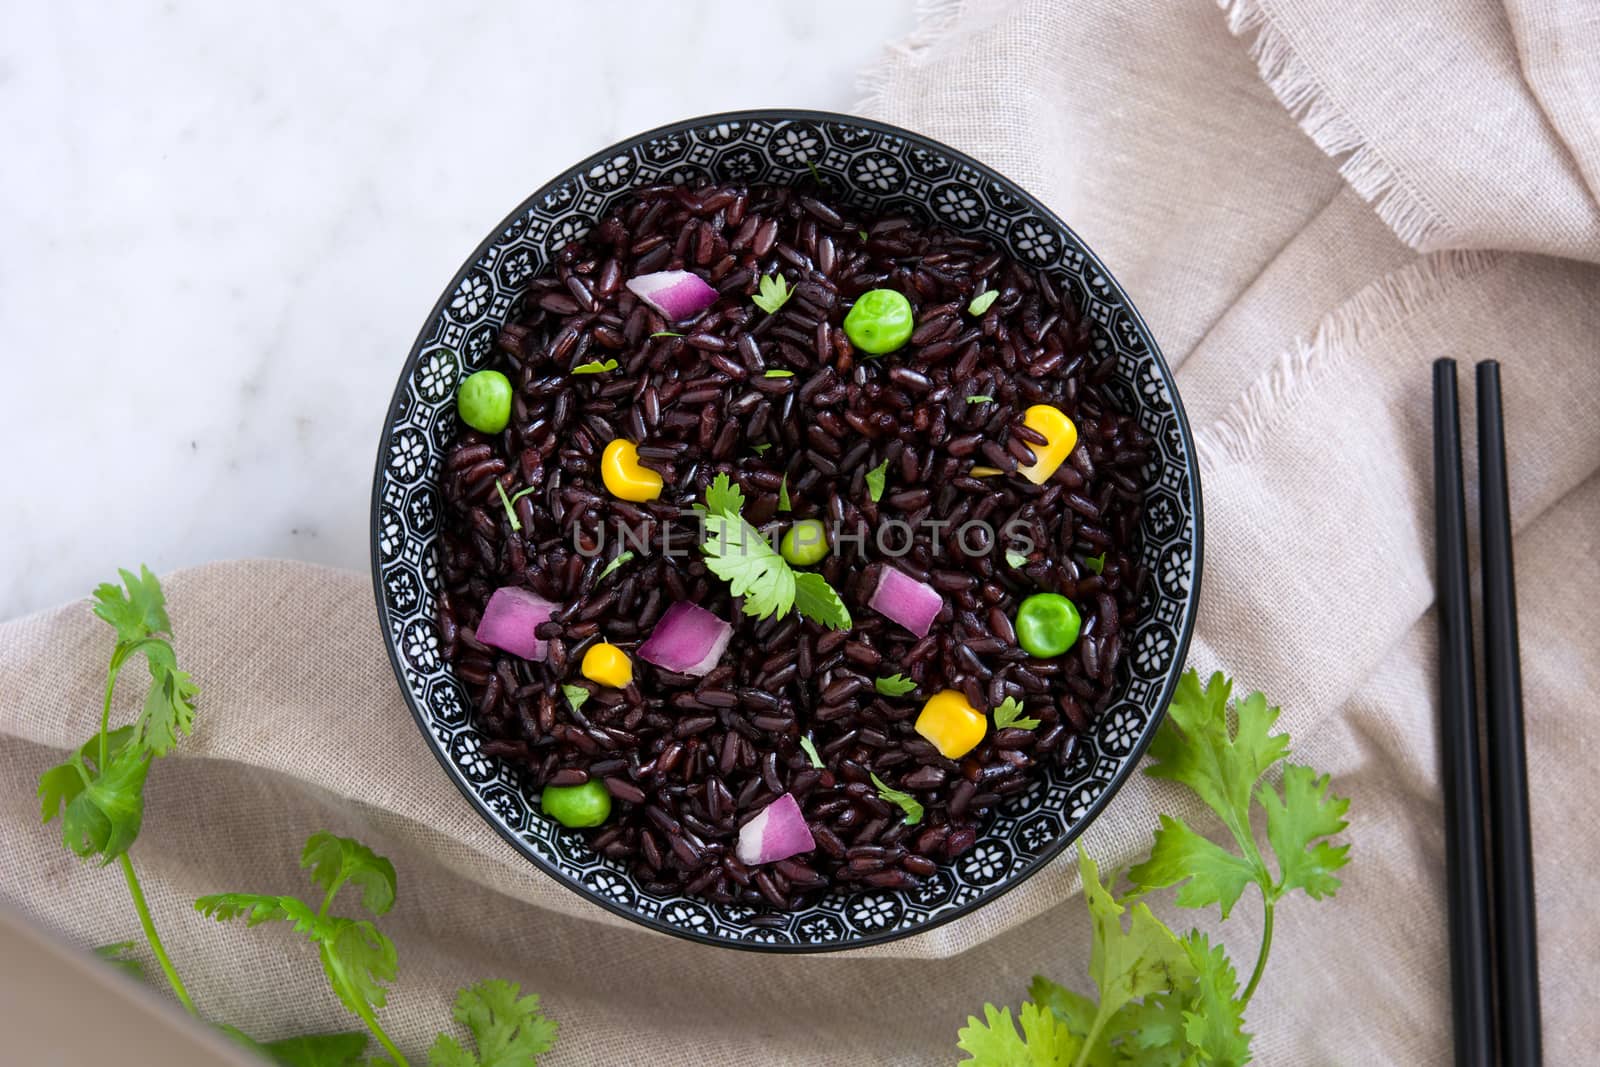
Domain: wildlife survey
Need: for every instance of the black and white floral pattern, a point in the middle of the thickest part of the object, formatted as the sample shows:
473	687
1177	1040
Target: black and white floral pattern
877	168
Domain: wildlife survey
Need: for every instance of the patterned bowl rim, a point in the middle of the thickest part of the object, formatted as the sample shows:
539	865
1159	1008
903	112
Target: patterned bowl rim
1128	763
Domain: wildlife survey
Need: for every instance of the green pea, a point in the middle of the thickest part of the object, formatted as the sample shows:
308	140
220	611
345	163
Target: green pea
577	805
485	401
1047	624
879	322
805	543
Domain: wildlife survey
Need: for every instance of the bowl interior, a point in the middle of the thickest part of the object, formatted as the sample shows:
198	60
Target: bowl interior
880	169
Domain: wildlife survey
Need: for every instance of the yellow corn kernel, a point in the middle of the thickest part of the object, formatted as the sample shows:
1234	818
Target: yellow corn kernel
1059	431
627	480
608	665
953	726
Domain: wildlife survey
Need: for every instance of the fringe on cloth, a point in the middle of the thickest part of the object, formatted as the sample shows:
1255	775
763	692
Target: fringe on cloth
1401	206
934	18
1234	437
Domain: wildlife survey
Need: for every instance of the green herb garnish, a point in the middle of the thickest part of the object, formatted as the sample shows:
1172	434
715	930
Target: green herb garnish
811	751
666	333
507	1028
1165	999
761	449
120	956
894	685
774	293
622	557
1009	713
507	501
863	235
98	792
979	398
908	804
740	555
576	695
784	504
1096	563
982	302
595	366
816	175
1016	559
875	480
779	374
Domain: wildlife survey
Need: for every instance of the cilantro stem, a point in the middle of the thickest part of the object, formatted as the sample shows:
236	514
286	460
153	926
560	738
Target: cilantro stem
368	1016
1092	1038
1261	957
149	926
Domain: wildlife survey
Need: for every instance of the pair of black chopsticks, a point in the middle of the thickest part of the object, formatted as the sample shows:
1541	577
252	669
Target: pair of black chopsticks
1505	933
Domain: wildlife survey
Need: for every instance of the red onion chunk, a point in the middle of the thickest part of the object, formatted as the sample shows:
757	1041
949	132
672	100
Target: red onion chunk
776	833
510	619
688	640
677	294
910	603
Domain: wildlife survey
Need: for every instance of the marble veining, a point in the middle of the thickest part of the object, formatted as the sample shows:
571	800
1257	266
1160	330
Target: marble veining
222	228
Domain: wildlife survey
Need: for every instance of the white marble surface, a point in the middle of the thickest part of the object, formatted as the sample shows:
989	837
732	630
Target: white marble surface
221	227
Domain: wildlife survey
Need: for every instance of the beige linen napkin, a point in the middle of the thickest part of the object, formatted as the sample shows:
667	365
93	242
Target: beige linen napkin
1302	326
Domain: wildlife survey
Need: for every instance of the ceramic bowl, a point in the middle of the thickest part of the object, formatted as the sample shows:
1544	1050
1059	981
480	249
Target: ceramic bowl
878	168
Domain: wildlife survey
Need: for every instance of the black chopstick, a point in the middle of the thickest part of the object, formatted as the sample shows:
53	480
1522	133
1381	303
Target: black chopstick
1471	999
1510	838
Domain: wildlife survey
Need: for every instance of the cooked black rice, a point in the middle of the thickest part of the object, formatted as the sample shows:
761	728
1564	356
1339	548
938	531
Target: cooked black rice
688	760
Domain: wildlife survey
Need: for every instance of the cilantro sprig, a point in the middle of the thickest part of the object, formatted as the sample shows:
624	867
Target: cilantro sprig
876	479
98	793
359	962
1164	999
741	555
621	559
596	366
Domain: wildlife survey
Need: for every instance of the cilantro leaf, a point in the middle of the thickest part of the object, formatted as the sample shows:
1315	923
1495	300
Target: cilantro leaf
595	366
774	293
1305	812
1016	560
724	497
820	602
508	1029
63	782
1009	714
1096	563
1126	963
875	480
104	817
1213	1020
120	956
784	504
1196	747
810	748
893	685
622	558
316	1050
779	374
737	553
168	711
908	804
983	302
356	958
139	612
979	398
1209	873
576	695
333	861
761	449
1045	1040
